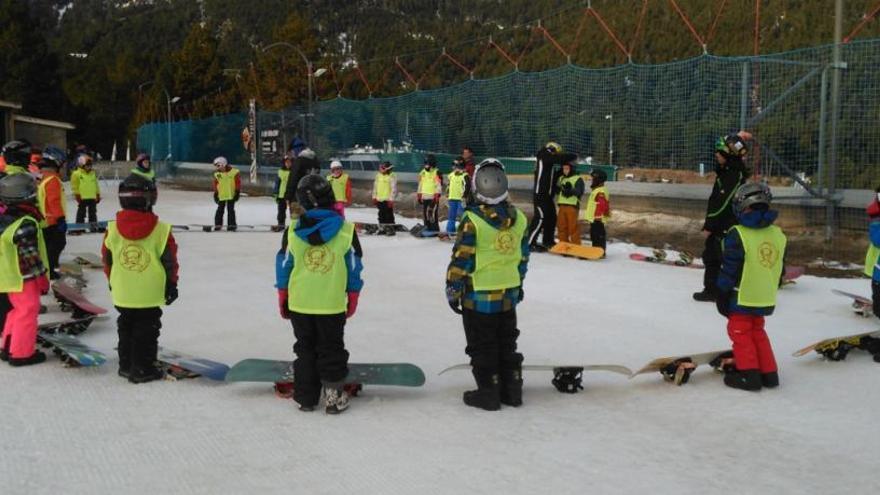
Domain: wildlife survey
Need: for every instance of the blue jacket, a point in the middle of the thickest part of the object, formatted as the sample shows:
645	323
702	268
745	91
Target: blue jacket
318	227
734	258
874	235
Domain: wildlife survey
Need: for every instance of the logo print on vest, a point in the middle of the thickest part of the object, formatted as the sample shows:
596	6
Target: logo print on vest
769	255
319	259
504	242
135	258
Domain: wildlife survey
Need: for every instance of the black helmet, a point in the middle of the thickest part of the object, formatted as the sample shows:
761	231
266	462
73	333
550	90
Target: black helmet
313	191
137	193
751	195
51	157
17	152
599	174
490	182
431	160
18	188
731	146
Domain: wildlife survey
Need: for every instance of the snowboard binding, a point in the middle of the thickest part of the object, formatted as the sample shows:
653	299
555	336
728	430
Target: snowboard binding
658	255
723	362
838	350
678	371
685	258
284	390
568	380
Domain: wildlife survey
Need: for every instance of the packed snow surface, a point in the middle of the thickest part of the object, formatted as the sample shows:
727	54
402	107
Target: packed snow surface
89	431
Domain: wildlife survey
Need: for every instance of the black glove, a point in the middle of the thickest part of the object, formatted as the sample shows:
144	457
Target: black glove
455	304
170	293
522	295
567	190
237	195
216	199
722	303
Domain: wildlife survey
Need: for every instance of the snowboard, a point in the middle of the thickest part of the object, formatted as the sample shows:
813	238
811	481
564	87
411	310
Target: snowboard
274	371
72	300
576	251
861	305
89	260
73	326
792	272
73	273
178	365
567	378
678	369
87	228
379	228
70	349
837	348
225	228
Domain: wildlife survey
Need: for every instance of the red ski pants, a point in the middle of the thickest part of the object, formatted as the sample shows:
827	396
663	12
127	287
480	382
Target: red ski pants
751	346
20	329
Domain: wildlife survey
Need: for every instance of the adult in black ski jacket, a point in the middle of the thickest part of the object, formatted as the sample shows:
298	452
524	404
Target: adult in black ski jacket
547	164
730	173
305	163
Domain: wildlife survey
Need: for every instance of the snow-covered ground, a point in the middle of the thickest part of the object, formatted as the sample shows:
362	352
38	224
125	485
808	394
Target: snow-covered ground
88	431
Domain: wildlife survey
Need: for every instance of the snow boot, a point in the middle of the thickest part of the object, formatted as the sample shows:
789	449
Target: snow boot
704	295
510	391
231	228
277	228
487	395
770	380
36	358
744	380
144	375
335	398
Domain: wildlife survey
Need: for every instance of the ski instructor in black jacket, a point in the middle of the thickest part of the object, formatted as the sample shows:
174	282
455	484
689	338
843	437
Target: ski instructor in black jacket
730	173
547	165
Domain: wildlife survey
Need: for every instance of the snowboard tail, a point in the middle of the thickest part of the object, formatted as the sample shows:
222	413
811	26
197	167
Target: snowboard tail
178	365
276	371
574	250
678	369
70	350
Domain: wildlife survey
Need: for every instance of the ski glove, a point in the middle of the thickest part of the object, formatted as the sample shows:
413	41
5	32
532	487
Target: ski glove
352	303
237	195
282	304
216	199
170	293
455	304
522	295
567	190
98	199
43	284
61	225
419	198
78	198
437	199
722	302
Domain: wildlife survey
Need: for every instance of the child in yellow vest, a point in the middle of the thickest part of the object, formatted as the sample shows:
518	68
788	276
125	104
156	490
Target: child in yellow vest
140	261
568	191
598	208
458	186
86	190
428	193
341	185
280	190
227	190
484	285
23	269
872	266
384	192
318	280
52	203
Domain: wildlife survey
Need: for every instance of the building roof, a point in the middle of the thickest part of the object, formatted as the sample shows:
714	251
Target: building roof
44	122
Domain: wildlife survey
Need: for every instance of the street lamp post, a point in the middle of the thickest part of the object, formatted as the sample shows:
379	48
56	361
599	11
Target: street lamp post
610	119
311	74
170	100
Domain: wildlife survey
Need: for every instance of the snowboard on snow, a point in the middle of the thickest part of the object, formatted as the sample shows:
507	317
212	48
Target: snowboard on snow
89	260
577	251
178	365
66	346
72	300
861	305
72	326
87	228
276	371
678	369
566	377
380	228
792	272
72	273
837	348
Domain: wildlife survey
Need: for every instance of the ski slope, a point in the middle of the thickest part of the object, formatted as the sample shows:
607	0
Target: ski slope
89	431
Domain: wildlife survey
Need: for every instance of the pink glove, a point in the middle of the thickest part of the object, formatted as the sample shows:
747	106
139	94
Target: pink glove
282	304
352	303
43	284
419	198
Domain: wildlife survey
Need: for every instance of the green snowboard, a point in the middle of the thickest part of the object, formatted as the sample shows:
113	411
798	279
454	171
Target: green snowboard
268	370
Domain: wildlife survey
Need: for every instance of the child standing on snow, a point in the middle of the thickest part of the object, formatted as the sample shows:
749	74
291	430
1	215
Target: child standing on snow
279	191
23	269
52	203
86	191
458	186
341	187
318	280
227	190
428	193
484	285
751	271
140	261
598	208
384	192
872	264
568	191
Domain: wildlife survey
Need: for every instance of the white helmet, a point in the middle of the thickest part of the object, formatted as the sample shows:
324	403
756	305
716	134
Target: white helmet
335	164
490	182
220	162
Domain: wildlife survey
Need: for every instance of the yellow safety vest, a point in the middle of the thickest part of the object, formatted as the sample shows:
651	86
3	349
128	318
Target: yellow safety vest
149	174
15	169
11	279
137	277
339	184
74	180
590	212
428	182
498	254
226	184
87	184
872	257
319	280
383	186
283	176
568	200
41	198
456	186
764	250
